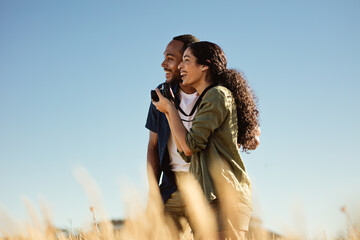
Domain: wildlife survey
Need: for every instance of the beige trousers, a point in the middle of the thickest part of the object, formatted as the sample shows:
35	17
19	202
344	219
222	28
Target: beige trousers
176	209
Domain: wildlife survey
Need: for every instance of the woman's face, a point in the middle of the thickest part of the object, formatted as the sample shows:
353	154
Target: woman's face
191	72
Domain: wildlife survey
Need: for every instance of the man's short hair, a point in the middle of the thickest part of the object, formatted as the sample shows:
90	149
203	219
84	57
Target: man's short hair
186	39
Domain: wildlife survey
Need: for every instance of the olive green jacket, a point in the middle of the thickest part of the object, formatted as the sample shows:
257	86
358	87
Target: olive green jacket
213	142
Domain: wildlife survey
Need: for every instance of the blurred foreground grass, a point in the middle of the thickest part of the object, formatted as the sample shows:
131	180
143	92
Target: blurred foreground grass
149	223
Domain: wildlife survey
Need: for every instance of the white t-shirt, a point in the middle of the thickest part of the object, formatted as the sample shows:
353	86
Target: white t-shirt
187	102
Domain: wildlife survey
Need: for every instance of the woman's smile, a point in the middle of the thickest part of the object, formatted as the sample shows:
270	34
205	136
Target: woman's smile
183	74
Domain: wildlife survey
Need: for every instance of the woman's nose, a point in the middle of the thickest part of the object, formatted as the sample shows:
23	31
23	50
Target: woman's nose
180	66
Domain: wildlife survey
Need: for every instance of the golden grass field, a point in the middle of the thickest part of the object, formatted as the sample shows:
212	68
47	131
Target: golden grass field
150	222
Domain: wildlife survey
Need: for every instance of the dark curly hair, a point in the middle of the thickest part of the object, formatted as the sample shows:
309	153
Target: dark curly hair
210	54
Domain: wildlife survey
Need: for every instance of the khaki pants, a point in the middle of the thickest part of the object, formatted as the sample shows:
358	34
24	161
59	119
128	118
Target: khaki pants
176	209
241	212
174	206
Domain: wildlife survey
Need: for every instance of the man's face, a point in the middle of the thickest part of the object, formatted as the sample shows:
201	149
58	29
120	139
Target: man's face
173	56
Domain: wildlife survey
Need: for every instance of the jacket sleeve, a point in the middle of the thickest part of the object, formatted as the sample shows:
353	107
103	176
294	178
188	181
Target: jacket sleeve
210	116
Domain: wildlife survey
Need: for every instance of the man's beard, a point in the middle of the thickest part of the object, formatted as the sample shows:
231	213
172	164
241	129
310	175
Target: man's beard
175	79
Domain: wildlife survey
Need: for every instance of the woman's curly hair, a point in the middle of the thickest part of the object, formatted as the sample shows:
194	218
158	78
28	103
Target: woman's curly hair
212	55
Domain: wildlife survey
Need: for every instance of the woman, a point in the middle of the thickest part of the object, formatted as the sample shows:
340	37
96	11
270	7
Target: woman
226	119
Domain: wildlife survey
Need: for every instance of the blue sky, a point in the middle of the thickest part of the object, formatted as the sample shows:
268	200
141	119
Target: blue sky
75	78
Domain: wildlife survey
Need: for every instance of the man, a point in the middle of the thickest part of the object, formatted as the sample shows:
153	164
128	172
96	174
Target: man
162	155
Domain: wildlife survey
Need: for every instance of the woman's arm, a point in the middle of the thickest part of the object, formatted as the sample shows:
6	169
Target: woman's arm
179	131
177	128
178	146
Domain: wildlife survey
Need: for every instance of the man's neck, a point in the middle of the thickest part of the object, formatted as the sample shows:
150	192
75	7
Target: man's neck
187	89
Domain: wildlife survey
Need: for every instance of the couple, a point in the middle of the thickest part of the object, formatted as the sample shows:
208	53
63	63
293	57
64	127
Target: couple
207	142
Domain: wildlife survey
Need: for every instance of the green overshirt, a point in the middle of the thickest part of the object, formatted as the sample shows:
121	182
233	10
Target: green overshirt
213	141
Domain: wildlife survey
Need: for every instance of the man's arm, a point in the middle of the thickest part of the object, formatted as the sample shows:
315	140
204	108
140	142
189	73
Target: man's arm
153	159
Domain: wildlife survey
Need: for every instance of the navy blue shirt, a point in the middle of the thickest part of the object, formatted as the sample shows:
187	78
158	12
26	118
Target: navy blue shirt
157	122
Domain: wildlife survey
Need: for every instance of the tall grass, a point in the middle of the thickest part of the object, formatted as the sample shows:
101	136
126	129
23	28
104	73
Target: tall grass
150	223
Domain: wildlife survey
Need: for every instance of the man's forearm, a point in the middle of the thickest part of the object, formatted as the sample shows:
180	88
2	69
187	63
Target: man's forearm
154	162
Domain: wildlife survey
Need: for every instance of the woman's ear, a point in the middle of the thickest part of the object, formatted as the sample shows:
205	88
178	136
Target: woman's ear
204	68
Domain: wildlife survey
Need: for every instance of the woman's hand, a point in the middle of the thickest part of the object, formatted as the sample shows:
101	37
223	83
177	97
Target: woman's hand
163	105
177	128
255	142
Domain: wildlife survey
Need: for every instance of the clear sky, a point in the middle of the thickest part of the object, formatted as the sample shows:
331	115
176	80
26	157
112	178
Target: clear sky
75	81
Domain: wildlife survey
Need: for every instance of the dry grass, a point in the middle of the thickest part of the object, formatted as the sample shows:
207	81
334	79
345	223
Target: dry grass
148	224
